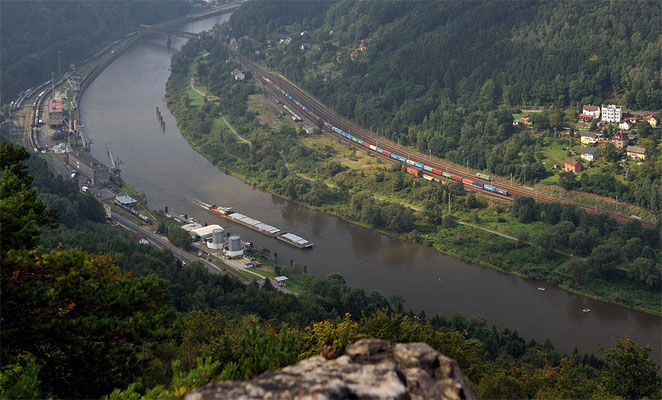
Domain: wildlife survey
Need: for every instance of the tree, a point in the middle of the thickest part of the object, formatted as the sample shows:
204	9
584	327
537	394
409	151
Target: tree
604	259
632	374
21	213
180	238
523	209
567	180
522	238
81	317
645	271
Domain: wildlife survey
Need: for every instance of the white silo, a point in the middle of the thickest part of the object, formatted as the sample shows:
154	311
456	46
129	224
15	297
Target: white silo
235	248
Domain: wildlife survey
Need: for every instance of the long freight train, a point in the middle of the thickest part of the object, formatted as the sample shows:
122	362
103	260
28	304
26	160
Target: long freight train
407	162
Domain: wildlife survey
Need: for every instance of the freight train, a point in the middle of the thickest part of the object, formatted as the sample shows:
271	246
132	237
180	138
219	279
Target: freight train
407	162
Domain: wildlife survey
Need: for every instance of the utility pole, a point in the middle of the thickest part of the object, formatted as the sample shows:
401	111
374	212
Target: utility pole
449	203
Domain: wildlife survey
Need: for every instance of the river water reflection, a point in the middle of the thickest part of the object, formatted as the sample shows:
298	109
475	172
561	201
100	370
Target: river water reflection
118	110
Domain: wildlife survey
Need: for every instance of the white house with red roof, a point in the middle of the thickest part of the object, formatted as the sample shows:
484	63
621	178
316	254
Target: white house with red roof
593	111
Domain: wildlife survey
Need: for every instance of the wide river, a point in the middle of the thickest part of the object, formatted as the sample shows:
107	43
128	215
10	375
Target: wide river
118	109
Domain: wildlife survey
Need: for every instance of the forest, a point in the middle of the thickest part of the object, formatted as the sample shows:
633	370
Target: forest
32	33
447	77
84	317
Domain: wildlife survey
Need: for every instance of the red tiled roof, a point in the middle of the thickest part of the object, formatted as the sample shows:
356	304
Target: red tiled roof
591	108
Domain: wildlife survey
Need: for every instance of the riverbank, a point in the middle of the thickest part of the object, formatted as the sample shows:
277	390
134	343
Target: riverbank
310	154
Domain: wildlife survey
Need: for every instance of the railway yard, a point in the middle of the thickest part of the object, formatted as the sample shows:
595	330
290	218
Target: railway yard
417	163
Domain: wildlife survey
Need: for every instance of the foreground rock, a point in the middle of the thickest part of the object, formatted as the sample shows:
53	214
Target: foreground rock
371	369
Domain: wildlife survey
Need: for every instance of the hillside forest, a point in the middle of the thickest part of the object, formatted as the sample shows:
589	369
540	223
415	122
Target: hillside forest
447	77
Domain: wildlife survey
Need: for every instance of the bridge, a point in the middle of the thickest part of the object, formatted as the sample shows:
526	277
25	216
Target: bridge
169	33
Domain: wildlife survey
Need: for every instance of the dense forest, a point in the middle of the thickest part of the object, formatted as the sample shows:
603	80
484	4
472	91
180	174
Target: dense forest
32	33
447	77
116	316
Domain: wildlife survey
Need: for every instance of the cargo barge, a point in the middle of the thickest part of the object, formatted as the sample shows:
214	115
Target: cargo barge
259	226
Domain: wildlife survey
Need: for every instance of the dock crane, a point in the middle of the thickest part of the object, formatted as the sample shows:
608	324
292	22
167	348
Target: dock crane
115	164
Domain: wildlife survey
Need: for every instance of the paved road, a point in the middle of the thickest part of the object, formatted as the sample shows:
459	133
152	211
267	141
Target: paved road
161	243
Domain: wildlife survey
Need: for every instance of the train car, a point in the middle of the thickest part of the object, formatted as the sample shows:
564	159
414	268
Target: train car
428	177
413	171
393	155
429	169
456	177
489	187
447	175
417	164
477	184
366	144
373	147
359	141
483	176
410	162
501	191
276	100
386	153
436	171
467	181
379	150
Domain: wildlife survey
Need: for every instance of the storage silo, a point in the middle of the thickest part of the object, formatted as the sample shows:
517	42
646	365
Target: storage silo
216	239
235	248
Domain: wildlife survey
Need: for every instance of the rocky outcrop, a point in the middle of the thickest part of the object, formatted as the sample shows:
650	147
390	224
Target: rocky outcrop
371	369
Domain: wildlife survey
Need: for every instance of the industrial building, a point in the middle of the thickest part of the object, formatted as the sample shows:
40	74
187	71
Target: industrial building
89	166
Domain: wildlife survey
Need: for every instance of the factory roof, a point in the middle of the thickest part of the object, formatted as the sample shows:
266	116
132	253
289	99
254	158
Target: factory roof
206	230
125	199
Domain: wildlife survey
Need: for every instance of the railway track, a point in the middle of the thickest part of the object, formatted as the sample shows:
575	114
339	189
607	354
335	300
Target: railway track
326	114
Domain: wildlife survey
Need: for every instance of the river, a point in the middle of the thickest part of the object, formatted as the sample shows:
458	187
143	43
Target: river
118	109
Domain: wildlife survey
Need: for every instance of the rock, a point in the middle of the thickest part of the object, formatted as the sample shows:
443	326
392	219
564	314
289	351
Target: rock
371	369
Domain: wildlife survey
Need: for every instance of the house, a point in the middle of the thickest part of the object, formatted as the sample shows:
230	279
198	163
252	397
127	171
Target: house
593	111
631	120
589	138
620	139
636	153
591	153
572	165
281	280
526	119
653	120
625	125
305	46
585	118
238	75
611	113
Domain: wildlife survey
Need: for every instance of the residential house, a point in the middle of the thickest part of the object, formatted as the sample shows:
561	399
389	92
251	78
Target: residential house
591	154
238	75
593	111
636	153
620	139
625	125
653	120
589	138
526	119
631	120
585	118
572	165
611	113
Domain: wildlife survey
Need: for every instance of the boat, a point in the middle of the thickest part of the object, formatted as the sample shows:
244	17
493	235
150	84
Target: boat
542	289
228	213
586	310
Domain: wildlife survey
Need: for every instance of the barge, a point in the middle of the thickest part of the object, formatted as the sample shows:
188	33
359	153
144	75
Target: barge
259	226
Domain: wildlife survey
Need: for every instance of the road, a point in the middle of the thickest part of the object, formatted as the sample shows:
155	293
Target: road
233	266
163	244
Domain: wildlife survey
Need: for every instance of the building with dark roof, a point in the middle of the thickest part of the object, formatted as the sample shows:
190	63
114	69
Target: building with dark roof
591	154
